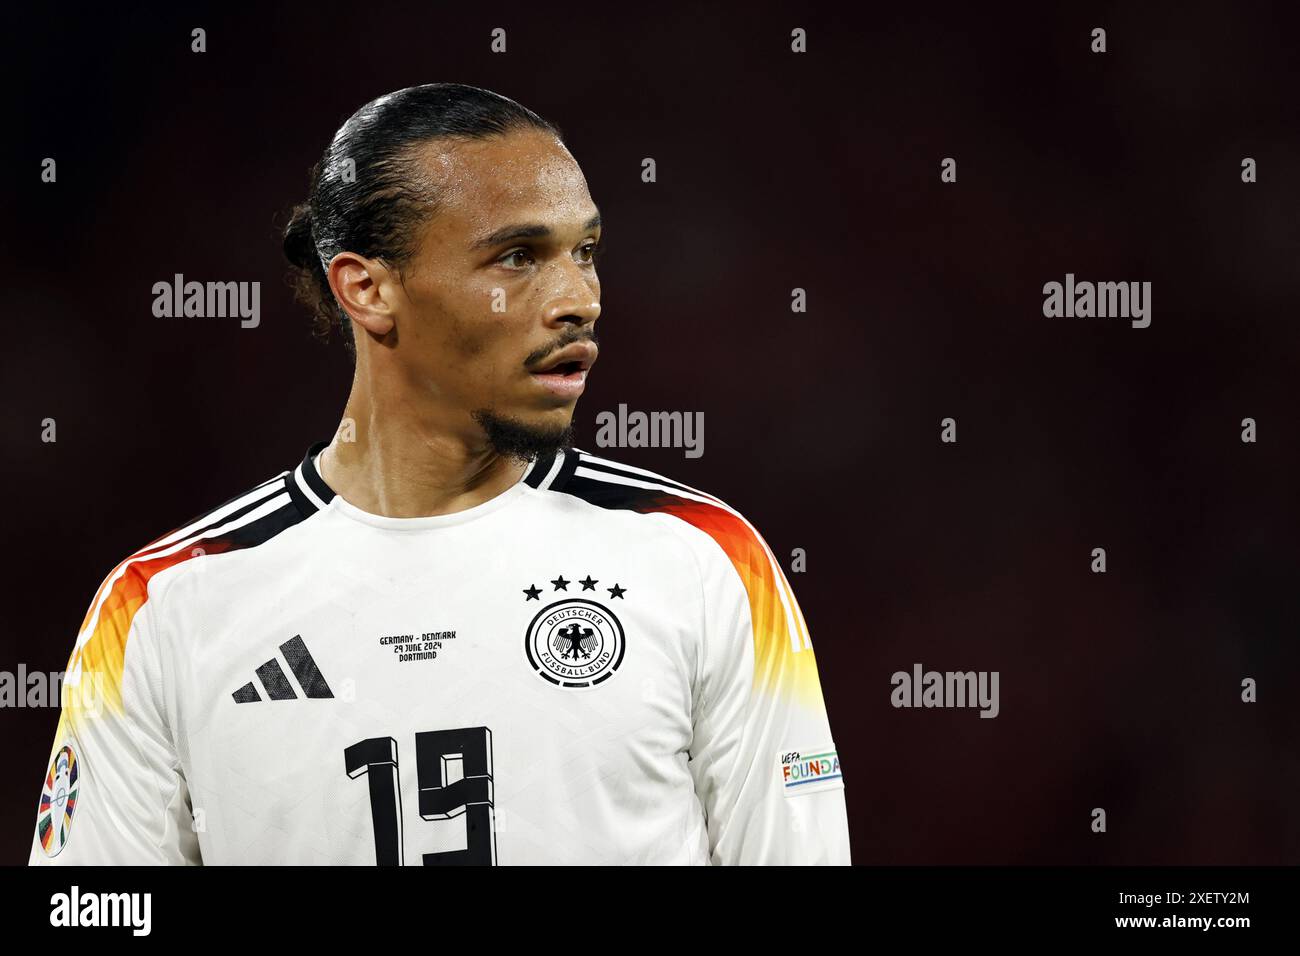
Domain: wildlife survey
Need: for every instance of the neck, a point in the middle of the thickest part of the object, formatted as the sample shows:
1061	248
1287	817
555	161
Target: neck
388	460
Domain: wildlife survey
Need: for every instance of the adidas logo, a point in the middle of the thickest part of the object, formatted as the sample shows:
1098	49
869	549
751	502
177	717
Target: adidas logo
277	685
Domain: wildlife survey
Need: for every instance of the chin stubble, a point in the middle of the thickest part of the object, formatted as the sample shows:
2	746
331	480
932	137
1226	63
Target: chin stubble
517	440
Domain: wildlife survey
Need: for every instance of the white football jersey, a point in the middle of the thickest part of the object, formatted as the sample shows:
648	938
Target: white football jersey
597	666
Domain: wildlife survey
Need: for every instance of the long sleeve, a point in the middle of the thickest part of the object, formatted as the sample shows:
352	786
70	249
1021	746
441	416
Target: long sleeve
114	793
763	758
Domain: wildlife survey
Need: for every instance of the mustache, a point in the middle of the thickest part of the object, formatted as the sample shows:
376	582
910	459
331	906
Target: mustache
562	342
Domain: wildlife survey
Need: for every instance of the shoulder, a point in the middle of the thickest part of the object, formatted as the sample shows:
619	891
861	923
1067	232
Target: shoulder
616	486
740	575
247	520
728	547
132	587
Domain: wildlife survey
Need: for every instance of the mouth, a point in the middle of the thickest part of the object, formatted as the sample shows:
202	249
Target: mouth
576	356
566	380
564	374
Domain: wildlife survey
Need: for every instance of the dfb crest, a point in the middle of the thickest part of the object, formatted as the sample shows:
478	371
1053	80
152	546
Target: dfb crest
575	643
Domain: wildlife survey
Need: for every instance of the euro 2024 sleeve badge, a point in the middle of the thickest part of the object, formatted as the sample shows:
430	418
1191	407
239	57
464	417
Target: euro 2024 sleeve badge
58	801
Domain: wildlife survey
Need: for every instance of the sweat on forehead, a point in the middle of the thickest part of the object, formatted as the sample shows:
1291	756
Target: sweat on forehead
518	169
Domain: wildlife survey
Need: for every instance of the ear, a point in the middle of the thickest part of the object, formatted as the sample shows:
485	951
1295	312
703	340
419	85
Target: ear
367	290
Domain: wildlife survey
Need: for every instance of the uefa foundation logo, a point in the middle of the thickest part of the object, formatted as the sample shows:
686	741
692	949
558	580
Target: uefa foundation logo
575	643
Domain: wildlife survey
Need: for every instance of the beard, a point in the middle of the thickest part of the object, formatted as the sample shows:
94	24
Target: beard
515	439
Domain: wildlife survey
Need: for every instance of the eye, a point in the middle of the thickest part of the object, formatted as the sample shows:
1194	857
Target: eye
505	260
592	250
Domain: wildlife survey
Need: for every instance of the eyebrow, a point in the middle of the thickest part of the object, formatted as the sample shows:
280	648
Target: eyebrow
524	231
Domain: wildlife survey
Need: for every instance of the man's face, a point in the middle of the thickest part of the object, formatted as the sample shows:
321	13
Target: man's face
503	277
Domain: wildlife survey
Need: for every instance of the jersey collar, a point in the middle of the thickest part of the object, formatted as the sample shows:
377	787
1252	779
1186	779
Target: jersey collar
311	494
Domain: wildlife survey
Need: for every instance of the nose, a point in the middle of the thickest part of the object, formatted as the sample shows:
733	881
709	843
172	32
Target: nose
575	302
574	310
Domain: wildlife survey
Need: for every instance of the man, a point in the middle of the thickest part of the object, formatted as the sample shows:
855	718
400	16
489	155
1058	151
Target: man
447	636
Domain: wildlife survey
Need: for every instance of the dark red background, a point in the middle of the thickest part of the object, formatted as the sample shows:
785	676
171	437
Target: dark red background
775	170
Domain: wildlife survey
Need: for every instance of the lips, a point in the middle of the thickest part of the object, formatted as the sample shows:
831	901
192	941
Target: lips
564	374
574	358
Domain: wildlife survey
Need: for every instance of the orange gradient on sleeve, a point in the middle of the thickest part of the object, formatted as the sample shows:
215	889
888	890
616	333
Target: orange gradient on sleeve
783	661
100	657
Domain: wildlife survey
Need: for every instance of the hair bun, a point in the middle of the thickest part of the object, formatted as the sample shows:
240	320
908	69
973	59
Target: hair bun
299	246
